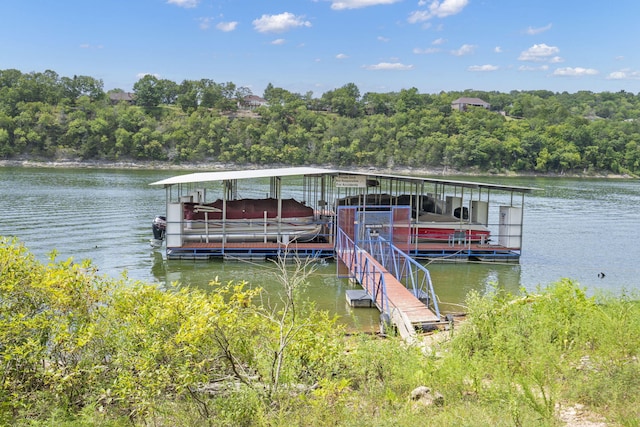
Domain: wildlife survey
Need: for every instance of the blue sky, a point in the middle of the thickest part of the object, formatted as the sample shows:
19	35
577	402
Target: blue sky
320	45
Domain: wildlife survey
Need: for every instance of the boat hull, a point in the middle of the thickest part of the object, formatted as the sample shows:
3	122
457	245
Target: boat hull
300	230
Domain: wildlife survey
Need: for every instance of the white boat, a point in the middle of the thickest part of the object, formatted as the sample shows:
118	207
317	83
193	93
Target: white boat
245	220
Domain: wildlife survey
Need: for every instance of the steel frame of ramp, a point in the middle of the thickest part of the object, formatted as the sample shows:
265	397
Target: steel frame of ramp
391	297
403	267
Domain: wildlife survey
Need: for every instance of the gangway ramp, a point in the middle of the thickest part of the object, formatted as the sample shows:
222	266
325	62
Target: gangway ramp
364	245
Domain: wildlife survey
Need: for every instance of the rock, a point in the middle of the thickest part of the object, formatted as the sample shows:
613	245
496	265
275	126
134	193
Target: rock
420	392
425	396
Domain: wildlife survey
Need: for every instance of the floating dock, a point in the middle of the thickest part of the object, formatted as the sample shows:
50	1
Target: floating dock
483	230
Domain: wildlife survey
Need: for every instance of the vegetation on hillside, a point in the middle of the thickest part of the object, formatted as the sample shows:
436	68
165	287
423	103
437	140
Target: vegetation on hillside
45	116
78	349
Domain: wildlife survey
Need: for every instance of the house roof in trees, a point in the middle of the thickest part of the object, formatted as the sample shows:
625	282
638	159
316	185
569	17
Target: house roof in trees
471	101
121	96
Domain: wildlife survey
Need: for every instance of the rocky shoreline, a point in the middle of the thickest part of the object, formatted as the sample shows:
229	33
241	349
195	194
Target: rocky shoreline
157	165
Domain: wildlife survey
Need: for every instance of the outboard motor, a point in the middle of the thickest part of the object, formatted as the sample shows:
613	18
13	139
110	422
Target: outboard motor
159	227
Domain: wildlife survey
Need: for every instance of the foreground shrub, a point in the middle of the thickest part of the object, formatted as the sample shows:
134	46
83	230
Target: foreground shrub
72	340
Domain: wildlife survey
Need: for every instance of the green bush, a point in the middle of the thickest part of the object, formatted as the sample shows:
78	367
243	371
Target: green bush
73	340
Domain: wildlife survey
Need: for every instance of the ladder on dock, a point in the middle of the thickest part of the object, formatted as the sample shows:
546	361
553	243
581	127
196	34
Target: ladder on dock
400	287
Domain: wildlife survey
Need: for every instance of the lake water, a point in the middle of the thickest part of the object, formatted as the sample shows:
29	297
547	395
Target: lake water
575	228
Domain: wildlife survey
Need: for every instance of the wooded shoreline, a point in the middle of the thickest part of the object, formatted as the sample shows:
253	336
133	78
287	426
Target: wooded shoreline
49	118
195	166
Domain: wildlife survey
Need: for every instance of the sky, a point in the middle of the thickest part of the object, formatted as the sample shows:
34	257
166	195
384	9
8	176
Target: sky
320	45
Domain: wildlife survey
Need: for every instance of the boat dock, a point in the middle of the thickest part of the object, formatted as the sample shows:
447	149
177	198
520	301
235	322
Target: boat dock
379	226
271	212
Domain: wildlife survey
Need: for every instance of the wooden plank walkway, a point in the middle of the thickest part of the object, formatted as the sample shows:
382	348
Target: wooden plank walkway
399	297
405	311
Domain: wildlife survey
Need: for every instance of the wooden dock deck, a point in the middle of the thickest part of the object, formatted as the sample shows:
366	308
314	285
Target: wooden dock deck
400	298
465	252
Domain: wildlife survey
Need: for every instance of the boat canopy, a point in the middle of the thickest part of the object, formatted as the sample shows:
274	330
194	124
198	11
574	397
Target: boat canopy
241	174
307	171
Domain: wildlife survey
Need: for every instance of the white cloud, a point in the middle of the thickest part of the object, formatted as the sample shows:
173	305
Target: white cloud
90	46
389	66
497	49
465	49
279	23
447	7
486	67
575	72
358	4
533	31
383	39
341	56
205	23
539	53
418	16
438	9
426	51
530	68
278	41
624	74
227	26
438	42
184	3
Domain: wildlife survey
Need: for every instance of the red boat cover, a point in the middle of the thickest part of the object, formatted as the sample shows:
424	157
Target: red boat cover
249	209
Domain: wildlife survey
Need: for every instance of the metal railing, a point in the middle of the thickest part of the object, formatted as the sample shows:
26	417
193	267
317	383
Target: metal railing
363	269
413	275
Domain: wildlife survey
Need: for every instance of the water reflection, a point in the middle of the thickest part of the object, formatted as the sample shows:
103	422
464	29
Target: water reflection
452	283
324	288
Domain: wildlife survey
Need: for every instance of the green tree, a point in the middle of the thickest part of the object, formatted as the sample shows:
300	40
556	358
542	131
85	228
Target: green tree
74	88
344	100
148	91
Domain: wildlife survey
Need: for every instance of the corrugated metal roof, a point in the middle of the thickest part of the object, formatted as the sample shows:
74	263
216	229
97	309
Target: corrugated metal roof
193	178
242	174
466	184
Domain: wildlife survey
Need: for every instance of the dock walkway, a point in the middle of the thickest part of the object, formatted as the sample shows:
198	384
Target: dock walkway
390	296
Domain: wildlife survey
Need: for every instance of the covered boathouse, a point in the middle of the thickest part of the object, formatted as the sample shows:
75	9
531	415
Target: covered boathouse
300	211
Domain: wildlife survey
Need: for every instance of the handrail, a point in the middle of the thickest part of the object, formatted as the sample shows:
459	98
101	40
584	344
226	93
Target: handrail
404	268
369	275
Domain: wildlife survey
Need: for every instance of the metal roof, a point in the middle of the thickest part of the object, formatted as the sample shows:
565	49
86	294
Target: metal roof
197	177
242	174
466	184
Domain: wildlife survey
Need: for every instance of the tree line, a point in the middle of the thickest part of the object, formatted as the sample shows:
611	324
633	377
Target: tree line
46	116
